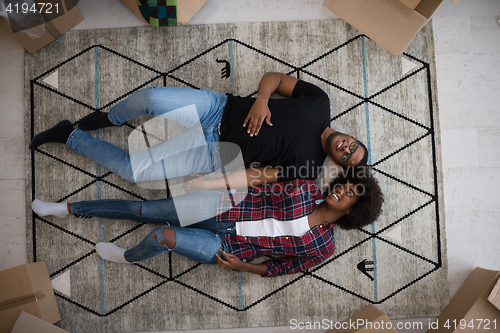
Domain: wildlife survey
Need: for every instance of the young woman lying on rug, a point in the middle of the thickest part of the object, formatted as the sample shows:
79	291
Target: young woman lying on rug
289	218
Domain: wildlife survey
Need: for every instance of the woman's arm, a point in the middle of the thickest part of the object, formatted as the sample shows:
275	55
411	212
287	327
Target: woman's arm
251	177
235	263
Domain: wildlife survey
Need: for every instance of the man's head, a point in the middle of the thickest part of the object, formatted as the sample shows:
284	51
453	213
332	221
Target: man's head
344	149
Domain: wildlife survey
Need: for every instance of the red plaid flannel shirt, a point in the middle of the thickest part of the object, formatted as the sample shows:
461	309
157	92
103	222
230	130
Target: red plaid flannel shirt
281	201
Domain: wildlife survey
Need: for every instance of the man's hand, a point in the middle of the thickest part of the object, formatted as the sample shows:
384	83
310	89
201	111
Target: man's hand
256	116
270	82
231	262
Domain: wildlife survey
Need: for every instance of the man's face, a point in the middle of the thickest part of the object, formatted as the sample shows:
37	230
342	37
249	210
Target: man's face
344	149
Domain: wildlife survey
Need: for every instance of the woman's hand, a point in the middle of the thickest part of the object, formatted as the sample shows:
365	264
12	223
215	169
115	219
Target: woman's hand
195	183
256	116
235	263
231	262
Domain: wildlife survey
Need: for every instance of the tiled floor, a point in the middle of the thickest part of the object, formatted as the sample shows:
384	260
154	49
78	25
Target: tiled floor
467	40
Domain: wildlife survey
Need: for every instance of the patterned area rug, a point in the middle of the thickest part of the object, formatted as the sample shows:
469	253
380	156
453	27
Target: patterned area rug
398	263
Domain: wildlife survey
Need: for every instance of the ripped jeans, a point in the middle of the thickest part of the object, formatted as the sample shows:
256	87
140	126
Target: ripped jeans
199	242
198	236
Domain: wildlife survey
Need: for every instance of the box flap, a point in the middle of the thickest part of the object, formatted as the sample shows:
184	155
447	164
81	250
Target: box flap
29	323
14	283
41	281
427	7
389	23
494	297
412	4
187	8
470	299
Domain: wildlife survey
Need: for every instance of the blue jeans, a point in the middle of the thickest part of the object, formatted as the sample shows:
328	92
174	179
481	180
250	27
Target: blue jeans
199	112
200	243
199	240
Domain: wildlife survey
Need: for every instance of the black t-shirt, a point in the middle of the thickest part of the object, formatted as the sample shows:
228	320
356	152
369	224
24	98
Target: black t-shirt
293	143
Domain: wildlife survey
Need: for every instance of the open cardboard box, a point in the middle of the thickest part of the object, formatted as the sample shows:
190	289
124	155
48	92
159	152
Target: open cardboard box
390	23
368	319
55	24
470	311
26	288
185	9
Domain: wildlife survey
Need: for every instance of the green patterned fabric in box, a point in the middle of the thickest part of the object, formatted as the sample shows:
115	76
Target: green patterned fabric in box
159	13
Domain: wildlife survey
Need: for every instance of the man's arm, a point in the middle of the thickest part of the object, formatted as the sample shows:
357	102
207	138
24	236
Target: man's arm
270	82
250	177
233	262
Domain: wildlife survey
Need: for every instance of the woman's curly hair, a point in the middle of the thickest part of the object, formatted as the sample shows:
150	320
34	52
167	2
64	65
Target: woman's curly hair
369	204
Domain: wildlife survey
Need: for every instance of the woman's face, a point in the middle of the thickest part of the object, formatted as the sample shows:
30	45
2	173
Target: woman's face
342	198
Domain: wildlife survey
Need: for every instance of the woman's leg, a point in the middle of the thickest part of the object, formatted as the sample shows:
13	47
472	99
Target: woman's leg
197	244
160	211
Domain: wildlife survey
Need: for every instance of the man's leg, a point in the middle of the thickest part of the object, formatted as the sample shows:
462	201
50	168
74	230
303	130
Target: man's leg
59	134
103	153
157	101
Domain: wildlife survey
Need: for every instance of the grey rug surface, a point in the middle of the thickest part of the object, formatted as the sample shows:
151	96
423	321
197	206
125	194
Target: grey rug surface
398	263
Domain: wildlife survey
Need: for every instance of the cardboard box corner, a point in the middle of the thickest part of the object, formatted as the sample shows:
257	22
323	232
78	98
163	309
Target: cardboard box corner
470	304
52	30
26	288
375	321
392	24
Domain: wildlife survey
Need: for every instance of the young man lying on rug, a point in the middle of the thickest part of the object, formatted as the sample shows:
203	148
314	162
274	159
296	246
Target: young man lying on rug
293	146
288	218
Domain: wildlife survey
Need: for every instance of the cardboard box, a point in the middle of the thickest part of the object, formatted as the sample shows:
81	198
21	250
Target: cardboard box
55	25
390	23
26	288
471	307
185	9
494	297
369	319
29	323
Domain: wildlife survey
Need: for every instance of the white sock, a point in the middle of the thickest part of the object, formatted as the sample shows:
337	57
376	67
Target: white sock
59	209
111	252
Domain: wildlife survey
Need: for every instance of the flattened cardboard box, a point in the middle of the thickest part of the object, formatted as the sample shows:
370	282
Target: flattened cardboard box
29	323
55	25
368	319
185	9
390	23
26	288
471	307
